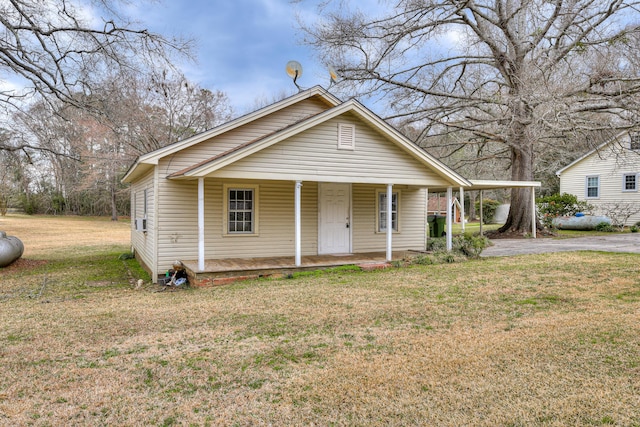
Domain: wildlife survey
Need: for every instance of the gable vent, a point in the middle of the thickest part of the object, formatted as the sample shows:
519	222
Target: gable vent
346	137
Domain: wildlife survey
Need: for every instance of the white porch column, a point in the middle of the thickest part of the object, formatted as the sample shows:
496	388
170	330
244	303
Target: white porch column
389	222
462	208
481	217
201	224
449	218
298	224
533	212
426	219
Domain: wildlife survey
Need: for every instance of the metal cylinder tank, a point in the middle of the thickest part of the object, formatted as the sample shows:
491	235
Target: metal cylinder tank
11	248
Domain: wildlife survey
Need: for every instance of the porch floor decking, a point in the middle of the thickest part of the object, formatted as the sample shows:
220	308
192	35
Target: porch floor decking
268	266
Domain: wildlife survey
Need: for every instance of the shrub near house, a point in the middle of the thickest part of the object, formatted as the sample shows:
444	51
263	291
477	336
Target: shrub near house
550	207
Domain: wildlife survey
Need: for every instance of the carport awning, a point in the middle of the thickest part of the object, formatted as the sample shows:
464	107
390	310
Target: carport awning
481	185
478	184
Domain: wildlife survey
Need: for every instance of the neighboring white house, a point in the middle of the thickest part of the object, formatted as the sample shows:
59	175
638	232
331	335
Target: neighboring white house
608	177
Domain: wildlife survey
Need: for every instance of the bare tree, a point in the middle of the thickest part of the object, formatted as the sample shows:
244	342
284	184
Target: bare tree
527	75
59	48
81	155
151	112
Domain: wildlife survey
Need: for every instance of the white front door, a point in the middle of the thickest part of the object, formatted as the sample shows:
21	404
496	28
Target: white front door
334	232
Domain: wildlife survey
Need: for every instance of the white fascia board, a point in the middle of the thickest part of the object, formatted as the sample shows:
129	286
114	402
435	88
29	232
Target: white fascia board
138	169
477	184
316	177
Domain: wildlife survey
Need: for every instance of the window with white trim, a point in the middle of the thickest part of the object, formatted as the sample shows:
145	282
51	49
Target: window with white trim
241	209
630	182
592	190
381	199
346	136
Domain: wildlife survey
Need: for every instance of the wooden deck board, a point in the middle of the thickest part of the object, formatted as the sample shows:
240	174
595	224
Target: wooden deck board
268	266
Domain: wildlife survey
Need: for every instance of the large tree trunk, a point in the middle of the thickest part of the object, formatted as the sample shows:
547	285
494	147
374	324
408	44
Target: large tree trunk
520	214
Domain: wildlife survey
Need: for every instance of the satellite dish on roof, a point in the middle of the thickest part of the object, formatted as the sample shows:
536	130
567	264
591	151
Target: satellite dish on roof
333	76
294	70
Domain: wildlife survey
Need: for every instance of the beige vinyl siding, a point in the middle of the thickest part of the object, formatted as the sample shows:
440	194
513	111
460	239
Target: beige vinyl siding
411	217
177	223
143	243
313	155
610	165
178	228
249	132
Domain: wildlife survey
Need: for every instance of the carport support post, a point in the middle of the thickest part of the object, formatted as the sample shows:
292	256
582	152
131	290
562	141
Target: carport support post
389	222
533	212
481	217
298	224
462	208
201	224
449	218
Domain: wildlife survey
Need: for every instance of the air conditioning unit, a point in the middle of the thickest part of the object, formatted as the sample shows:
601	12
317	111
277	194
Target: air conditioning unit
141	224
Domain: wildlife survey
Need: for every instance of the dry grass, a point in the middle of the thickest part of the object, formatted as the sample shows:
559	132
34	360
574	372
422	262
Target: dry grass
53	236
547	340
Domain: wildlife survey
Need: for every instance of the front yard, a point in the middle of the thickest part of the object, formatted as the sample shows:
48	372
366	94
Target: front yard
548	340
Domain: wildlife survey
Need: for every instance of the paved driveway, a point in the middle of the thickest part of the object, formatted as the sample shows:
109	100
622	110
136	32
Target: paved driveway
628	242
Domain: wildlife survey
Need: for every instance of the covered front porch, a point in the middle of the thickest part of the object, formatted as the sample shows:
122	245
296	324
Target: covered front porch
221	271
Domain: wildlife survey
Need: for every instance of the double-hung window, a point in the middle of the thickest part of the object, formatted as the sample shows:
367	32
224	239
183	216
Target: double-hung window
241	210
592	187
382	211
630	182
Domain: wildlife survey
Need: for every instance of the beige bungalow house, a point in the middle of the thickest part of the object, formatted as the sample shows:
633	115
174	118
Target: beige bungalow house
308	178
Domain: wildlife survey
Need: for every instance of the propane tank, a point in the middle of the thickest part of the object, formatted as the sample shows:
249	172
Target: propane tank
11	248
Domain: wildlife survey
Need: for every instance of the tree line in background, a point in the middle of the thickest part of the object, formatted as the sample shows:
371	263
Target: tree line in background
82	154
90	93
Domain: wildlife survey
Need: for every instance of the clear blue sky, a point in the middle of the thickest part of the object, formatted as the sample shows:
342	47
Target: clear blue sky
242	46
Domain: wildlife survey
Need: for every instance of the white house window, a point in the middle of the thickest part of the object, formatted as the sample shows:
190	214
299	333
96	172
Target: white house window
382	211
241	209
593	187
346	136
630	182
635	140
